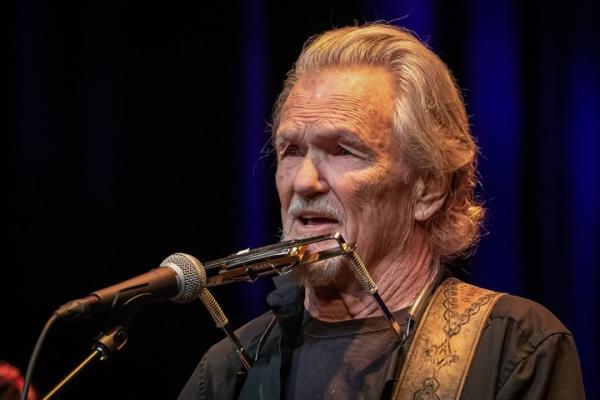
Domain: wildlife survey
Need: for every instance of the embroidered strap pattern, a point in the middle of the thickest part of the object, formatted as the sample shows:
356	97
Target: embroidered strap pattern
438	360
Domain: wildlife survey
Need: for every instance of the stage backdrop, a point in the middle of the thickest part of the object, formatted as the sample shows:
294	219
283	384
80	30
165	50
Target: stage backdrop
138	129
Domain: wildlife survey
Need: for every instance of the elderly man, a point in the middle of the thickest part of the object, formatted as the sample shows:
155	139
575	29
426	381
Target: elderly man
372	141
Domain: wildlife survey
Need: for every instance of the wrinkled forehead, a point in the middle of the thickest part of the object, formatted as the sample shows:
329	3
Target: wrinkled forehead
360	98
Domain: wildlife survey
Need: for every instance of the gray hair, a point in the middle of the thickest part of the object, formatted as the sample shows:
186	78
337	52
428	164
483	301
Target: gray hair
429	119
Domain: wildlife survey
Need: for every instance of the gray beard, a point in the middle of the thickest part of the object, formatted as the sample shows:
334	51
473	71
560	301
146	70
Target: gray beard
319	273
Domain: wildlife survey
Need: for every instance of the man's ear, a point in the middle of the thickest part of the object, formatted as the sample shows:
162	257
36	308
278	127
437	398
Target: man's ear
429	194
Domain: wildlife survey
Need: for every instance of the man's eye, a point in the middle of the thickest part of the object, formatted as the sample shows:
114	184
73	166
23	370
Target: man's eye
290	151
343	151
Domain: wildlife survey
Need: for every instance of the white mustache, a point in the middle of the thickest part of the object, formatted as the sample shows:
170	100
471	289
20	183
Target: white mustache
320	206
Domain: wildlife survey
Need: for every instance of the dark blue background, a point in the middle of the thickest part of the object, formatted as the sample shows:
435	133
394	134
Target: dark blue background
138	129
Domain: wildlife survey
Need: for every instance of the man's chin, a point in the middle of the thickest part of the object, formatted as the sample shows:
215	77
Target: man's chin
320	273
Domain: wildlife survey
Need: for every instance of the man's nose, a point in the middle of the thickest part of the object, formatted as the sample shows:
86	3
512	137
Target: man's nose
309	181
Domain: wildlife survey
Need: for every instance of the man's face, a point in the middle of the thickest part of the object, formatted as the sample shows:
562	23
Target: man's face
340	167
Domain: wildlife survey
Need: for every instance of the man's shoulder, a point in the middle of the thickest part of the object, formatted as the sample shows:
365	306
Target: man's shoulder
524	352
524	317
528	318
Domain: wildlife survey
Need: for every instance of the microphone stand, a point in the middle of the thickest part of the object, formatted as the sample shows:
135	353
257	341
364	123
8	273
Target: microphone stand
107	344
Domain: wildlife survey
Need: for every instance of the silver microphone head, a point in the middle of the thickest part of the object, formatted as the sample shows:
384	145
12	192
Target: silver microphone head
190	273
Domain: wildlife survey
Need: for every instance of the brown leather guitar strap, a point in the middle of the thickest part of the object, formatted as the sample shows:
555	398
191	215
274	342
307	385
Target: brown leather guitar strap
445	341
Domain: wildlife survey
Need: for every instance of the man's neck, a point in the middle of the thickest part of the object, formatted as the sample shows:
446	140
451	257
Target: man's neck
399	279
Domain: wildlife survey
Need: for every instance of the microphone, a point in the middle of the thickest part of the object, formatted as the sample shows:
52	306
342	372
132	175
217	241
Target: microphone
180	278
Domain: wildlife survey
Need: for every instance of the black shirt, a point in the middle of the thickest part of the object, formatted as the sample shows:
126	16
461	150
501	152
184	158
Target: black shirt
342	360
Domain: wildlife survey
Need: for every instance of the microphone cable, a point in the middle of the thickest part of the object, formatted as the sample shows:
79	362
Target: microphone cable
35	354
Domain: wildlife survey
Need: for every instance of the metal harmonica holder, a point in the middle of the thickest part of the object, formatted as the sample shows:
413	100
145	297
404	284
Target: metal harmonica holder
248	265
280	259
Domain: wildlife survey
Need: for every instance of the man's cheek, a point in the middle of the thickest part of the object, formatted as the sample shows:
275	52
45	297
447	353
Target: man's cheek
358	188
